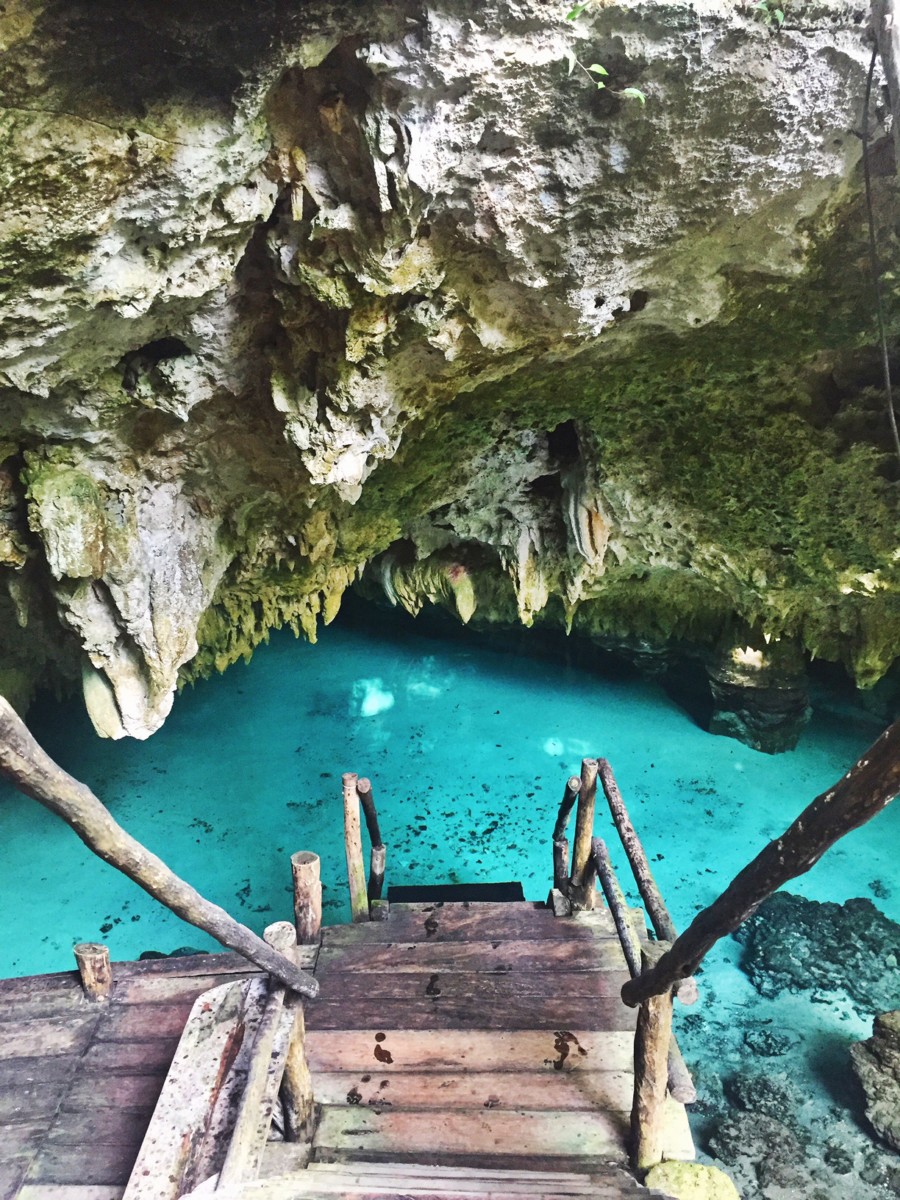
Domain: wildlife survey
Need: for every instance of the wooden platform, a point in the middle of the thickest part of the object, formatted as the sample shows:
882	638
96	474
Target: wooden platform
79	1081
471	1037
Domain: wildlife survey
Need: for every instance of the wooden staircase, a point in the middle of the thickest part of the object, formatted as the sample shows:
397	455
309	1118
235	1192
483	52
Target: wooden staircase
470	1050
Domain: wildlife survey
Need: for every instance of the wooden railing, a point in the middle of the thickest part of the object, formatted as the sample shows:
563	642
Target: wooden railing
658	1064
365	898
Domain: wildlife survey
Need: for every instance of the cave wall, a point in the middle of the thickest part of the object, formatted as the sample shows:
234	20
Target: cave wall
300	295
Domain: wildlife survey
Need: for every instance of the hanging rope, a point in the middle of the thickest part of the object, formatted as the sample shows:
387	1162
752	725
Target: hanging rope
873	256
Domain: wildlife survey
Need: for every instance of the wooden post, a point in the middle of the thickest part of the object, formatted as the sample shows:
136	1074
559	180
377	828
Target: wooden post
681	1086
296	1083
356	872
94	969
305	869
377	860
570	795
561	864
651	1054
367	800
582	892
33	772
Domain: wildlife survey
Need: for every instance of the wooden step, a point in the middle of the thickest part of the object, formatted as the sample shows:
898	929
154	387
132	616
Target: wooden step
485	988
509	1012
496	957
398	1135
459	922
388	1050
562	1090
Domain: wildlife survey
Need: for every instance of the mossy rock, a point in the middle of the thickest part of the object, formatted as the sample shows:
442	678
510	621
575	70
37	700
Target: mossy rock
691	1181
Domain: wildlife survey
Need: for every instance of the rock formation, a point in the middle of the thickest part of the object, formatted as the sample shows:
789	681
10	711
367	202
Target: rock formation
877	1064
295	293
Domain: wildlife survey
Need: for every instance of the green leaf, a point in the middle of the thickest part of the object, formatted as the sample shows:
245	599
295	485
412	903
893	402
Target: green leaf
600	84
597	69
778	17
571	60
633	94
576	12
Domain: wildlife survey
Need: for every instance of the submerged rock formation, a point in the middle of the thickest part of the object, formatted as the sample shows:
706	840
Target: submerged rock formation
877	1065
795	944
294	293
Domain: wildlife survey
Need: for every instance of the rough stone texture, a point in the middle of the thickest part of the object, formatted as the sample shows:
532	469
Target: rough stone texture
293	289
691	1181
877	1065
796	944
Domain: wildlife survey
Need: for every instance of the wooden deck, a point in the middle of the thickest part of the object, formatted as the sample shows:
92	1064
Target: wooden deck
470	1036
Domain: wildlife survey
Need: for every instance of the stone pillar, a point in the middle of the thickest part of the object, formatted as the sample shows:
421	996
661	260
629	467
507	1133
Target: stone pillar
760	694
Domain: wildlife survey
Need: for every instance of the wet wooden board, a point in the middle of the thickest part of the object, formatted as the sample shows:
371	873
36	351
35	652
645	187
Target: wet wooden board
100	1164
135	1092
444	1012
458	923
483	987
130	1058
71	1191
46	1037
561	1090
129	1022
500	1133
471	1050
98	1126
496	956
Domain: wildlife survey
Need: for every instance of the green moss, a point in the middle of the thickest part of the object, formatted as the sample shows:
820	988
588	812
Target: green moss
723	425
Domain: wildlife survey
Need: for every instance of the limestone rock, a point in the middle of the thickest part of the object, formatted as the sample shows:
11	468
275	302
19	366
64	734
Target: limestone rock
691	1181
294	292
877	1064
795	944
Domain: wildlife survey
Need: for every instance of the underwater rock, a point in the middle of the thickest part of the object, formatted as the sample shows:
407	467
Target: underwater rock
691	1181
763	1148
877	1065
795	944
391	282
760	695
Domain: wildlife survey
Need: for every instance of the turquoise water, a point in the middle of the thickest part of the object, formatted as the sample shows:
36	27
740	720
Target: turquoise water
468	748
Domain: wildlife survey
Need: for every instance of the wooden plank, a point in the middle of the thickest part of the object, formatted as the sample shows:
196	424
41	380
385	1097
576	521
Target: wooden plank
208	1068
72	1191
143	1022
379	1170
499	1132
498	957
440	1012
83	1165
172	989
130	1058
30	1101
21	1140
47	1037
52	1003
11	1179
188	964
472	1050
483	987
561	1090
20	1072
434	923
138	1093
22	987
99	1127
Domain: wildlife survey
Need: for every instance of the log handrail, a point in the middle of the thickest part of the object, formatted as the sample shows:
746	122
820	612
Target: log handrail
358	796
868	787
658	912
29	768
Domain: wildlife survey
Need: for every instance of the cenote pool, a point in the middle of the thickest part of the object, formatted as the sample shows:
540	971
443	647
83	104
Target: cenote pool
468	746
